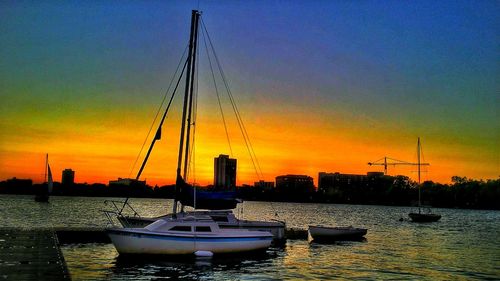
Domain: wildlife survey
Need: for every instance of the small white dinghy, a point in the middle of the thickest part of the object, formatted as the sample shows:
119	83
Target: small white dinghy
329	233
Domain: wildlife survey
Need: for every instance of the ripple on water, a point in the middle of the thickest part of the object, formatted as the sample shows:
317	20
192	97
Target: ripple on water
462	246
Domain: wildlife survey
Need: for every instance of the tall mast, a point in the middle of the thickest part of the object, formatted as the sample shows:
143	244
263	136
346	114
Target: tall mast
385	165
418	161
191	91
194	16
46	167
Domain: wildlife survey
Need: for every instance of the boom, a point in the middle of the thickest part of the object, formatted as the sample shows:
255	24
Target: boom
383	162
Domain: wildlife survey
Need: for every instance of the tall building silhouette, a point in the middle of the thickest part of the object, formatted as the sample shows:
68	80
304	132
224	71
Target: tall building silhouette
68	177
224	172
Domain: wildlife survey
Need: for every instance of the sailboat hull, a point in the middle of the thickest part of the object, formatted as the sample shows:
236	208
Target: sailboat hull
42	198
130	241
277	229
42	194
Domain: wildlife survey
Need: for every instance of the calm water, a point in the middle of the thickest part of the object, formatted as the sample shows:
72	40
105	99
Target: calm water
463	245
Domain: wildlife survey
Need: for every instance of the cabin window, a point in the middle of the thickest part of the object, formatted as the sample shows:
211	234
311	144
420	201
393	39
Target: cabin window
181	228
219	219
203	229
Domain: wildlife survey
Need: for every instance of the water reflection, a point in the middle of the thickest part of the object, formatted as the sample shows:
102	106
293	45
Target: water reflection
101	261
334	241
190	266
462	245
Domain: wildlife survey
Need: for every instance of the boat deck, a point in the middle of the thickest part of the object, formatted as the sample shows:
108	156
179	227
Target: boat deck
31	255
98	235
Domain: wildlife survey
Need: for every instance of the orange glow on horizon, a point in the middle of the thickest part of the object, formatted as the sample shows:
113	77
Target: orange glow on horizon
282	147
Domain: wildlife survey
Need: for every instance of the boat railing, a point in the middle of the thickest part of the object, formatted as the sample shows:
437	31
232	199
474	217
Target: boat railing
125	206
280	221
118	212
110	215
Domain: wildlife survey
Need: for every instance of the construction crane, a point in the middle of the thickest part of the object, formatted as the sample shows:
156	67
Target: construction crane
383	162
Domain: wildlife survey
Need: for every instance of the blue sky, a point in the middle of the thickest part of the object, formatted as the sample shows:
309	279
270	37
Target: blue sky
370	73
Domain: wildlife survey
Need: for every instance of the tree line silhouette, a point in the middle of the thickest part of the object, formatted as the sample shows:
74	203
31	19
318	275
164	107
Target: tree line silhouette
385	190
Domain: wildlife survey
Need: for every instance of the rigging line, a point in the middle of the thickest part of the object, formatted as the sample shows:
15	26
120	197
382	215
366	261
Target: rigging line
191	90
191	101
192	153
159	110
246	138
244	128
238	118
195	115
192	158
156	136
235	108
217	93
180	179
161	124
422	160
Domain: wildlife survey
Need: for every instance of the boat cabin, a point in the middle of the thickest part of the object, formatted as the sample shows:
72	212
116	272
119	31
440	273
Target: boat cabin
202	225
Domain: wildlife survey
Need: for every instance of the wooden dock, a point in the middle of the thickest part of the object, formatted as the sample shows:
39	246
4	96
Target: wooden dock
31	255
76	235
296	233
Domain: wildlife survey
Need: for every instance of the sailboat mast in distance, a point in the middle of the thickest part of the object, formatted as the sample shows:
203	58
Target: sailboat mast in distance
46	165
422	216
42	193
418	161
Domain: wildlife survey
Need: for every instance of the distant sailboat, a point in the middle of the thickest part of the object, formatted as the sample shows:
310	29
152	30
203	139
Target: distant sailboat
42	194
424	213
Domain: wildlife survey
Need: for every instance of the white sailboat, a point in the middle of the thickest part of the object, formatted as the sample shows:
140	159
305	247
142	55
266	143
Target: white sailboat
181	234
187	235
424	213
225	219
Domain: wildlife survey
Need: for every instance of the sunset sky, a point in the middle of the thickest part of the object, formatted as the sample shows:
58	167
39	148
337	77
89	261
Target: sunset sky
322	86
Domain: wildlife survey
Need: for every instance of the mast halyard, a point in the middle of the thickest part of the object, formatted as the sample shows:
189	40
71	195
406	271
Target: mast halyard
179	180
157	135
158	131
190	103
